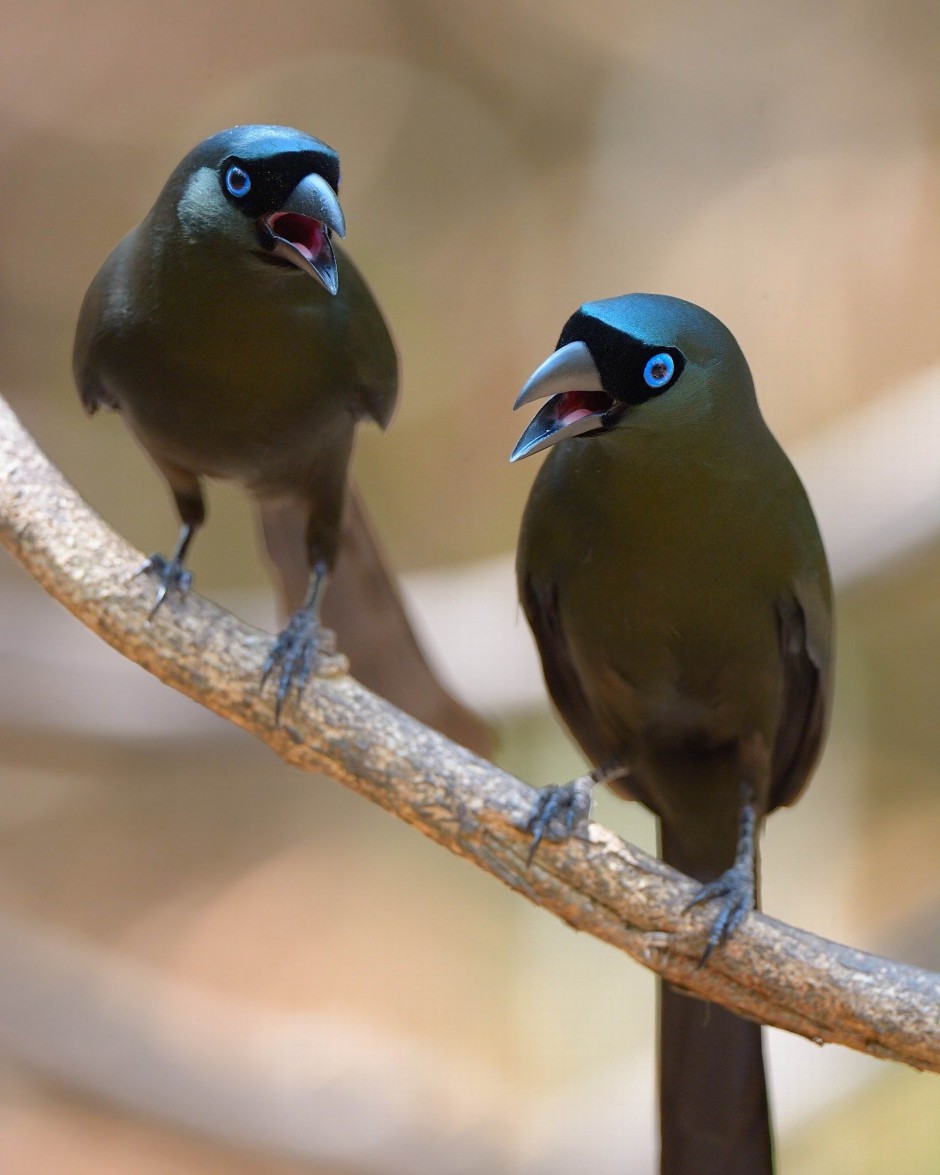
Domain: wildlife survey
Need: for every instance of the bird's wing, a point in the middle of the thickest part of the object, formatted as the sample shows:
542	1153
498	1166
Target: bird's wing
804	623
363	605
93	326
93	393
370	344
541	607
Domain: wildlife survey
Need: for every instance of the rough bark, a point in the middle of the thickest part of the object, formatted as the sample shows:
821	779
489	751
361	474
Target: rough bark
598	884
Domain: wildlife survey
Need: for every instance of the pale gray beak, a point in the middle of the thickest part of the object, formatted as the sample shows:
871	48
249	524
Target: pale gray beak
578	399
300	230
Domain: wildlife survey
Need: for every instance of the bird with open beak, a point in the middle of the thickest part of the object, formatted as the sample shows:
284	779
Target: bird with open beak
672	572
239	341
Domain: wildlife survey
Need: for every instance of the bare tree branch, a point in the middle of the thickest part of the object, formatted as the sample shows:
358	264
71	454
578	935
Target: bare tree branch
769	972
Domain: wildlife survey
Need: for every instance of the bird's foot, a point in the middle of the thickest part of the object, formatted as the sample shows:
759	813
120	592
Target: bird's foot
735	888
171	573
295	652
558	810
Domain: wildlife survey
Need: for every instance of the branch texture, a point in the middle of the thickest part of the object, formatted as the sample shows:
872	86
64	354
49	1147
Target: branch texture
598	884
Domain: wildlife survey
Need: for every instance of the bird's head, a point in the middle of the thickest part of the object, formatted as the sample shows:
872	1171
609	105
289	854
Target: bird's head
639	359
268	191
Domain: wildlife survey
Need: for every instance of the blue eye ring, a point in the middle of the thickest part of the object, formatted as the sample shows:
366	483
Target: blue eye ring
238	181
659	370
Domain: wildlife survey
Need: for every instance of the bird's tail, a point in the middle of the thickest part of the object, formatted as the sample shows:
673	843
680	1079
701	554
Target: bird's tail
363	605
714	1116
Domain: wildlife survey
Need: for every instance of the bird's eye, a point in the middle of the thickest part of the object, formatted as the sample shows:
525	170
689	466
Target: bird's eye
238	181
659	370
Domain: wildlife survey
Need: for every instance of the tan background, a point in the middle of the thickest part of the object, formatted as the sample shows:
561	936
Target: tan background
194	982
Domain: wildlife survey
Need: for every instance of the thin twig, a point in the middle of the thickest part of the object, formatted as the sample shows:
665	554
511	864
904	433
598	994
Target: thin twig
597	883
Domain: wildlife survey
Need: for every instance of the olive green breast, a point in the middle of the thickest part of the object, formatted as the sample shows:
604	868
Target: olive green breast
240	369
651	565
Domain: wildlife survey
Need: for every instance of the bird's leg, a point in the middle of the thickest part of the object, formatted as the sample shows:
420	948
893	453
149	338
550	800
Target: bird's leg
191	506
295	650
736	886
559	808
172	574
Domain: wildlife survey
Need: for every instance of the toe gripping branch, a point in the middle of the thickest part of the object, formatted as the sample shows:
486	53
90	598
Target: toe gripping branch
736	887
173	576
296	648
560	808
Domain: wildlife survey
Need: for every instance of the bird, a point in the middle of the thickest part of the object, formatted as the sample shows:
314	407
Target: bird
240	342
672	572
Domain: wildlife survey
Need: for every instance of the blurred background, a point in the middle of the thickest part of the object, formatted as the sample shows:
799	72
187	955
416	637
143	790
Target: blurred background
212	963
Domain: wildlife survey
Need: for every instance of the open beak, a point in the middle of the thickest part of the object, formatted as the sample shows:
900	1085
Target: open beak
299	232
578	401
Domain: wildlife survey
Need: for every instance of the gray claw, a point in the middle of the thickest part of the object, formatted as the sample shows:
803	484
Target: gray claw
557	811
173	577
294	654
736	887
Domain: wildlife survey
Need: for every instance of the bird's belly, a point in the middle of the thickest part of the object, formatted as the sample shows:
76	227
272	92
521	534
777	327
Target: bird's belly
680	723
261	397
256	441
671	664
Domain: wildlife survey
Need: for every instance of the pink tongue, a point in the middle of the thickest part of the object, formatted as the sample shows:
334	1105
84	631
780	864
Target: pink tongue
313	246
574	414
303	232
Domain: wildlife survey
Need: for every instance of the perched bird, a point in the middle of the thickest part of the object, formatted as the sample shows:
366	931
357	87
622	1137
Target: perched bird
240	342
672	572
